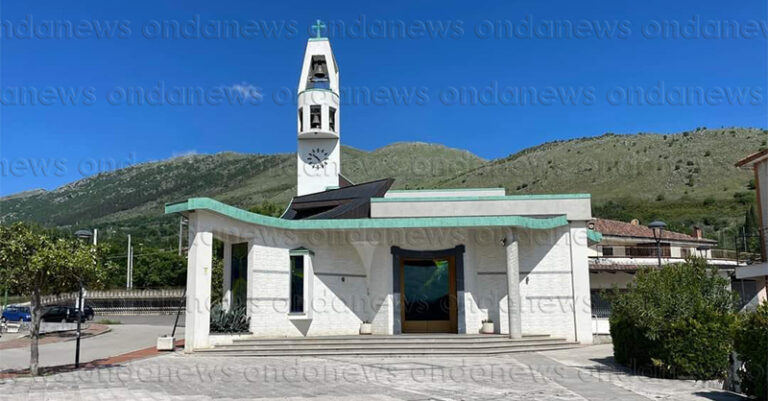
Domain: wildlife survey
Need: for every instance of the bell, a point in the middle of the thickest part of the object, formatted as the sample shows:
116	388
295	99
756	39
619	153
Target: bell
315	121
320	71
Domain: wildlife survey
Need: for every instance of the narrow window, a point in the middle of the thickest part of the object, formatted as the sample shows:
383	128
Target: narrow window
607	251
332	119
301	119
314	117
297	284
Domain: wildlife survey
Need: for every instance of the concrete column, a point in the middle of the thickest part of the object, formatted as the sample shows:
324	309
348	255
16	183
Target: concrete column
513	285
582	304
199	264
226	291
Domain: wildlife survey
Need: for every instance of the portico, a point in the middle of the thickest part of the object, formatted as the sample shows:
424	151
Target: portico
519	270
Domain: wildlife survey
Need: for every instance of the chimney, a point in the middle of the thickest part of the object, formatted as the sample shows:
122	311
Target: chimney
697	233
635	222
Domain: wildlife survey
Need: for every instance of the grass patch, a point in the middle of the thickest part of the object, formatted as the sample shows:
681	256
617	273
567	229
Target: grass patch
108	321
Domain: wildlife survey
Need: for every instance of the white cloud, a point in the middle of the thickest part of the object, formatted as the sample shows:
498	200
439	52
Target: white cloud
247	91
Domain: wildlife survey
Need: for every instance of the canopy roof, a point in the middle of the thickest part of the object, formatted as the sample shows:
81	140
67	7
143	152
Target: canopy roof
192	204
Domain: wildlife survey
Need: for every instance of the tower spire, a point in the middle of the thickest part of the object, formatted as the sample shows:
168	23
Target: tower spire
318	117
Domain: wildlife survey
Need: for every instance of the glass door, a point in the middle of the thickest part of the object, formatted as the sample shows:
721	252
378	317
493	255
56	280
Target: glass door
428	295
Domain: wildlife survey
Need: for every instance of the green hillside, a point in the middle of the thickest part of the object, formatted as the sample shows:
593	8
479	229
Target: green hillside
686	178
696	164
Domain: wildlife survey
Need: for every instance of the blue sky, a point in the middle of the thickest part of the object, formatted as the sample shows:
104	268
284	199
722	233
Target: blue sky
652	66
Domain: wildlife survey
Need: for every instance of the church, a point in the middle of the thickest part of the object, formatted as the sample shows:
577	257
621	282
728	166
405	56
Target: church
347	259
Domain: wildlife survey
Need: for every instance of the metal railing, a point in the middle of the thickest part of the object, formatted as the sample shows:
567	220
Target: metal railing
124	302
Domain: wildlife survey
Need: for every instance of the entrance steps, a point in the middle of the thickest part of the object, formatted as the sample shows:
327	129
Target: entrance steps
398	345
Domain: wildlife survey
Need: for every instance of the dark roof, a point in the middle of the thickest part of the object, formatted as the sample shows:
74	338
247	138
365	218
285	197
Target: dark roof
348	202
621	229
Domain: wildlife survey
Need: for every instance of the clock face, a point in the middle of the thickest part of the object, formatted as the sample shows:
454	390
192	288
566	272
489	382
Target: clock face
317	158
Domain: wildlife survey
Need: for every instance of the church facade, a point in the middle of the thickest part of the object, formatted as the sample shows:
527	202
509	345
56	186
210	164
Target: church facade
347	258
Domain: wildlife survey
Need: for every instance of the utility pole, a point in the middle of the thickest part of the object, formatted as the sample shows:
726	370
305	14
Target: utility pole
80	305
128	262
181	230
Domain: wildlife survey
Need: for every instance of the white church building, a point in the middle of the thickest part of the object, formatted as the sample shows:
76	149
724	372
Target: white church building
347	256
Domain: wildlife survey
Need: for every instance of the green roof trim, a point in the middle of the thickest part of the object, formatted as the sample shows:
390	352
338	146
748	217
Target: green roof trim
445	190
301	251
209	204
594	236
483	198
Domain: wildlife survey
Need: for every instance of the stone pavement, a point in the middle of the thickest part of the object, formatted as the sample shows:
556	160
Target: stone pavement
561	375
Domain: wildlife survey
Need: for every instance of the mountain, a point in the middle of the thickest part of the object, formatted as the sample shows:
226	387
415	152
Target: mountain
696	164
686	178
244	180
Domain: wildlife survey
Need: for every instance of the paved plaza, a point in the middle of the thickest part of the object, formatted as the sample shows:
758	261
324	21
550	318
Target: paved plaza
134	332
576	374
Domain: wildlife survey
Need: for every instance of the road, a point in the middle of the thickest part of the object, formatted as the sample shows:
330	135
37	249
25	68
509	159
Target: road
134	333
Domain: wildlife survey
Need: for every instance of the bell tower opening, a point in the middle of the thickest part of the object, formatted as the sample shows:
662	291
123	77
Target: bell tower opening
318	77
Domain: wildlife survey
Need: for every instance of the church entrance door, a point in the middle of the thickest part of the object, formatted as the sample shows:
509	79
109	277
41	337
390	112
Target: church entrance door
428	295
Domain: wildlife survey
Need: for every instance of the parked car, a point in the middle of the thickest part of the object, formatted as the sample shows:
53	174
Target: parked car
88	312
14	313
61	313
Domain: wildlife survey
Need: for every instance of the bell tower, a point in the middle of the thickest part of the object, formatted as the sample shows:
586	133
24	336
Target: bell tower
318	155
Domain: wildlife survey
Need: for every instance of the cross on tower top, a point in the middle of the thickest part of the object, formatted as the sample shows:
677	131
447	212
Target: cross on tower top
318	26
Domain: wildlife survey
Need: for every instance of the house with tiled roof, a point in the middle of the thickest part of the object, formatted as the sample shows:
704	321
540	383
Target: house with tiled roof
627	247
758	272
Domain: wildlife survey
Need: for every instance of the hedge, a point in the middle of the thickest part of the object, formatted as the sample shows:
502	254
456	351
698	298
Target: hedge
751	343
675	322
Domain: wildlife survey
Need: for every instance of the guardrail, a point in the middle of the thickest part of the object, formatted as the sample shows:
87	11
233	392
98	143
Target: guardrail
124	302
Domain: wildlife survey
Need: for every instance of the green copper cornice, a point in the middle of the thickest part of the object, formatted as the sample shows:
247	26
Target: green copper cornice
214	206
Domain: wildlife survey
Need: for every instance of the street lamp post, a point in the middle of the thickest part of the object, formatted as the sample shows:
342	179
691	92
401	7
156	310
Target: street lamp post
83	235
658	232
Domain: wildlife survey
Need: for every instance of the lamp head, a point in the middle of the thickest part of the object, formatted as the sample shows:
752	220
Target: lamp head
658	228
83	234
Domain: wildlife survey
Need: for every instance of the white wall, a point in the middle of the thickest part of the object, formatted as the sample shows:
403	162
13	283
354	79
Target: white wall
353	277
577	209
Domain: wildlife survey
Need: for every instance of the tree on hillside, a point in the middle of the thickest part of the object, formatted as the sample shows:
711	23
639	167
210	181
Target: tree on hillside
750	220
35	264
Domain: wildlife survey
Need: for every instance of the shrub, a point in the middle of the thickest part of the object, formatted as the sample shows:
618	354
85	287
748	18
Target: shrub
751	343
235	320
675	321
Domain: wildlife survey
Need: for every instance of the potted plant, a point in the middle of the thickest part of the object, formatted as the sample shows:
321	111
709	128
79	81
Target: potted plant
487	327
366	328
